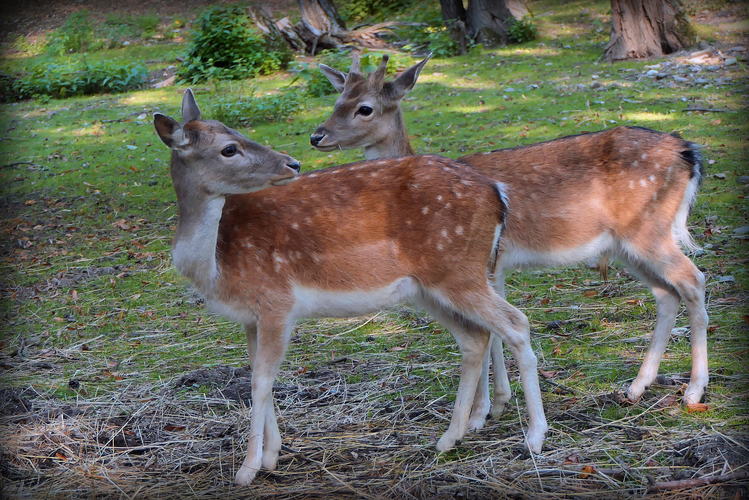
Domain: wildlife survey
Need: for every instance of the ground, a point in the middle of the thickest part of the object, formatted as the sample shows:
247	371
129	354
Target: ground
117	383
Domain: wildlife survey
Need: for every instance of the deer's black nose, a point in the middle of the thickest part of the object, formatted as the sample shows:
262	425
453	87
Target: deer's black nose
294	164
315	139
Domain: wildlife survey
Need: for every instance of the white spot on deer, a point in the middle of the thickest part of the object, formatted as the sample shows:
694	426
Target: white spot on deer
408	222
465	182
373	174
312	176
644	156
643	183
444	233
424	210
635	163
459	230
439	197
247	244
651	178
448	204
440	247
657	166
458	194
294	225
631	184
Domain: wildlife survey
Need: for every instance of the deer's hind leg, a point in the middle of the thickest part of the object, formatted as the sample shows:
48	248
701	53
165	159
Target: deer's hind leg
473	342
481	305
672	276
502	391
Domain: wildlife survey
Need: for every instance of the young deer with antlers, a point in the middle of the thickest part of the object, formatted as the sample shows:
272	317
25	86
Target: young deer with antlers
343	241
625	192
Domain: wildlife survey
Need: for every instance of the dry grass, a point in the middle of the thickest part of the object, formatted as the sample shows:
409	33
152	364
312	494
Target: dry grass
185	438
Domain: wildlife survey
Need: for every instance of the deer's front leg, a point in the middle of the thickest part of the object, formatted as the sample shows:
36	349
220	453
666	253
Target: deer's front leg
271	435
272	340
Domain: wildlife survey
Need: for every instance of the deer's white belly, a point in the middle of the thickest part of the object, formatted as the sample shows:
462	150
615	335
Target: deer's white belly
513	256
317	303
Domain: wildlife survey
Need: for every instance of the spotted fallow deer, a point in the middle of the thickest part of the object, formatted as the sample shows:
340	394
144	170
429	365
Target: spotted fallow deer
267	247
625	192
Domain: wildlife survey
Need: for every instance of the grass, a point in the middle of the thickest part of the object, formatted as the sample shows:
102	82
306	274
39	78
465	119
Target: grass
98	327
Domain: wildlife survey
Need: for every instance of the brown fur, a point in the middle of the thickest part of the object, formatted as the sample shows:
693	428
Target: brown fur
323	233
606	176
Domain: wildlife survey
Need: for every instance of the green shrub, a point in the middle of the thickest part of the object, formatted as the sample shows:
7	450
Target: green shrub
431	35
29	46
251	110
226	47
75	35
120	27
75	78
522	30
358	10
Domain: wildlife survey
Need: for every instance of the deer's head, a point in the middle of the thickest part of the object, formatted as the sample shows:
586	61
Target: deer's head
368	110
210	157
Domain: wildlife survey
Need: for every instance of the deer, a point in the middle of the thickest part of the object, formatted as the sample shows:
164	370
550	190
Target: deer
622	193
267	246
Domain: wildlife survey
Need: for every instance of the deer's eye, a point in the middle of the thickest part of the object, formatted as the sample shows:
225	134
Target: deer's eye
229	150
364	111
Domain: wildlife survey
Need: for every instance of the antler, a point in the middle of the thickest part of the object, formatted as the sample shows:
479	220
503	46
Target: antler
354	64
378	75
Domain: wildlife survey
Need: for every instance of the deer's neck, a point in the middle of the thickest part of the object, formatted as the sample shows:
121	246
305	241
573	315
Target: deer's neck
194	246
394	145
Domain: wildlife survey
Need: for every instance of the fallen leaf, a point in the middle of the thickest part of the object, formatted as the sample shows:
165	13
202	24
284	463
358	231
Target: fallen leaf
697	407
174	428
587	471
60	456
590	293
715	122
548	374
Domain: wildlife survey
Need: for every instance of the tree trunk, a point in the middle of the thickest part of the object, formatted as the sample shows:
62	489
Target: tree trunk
455	18
647	28
488	21
453	9
321	27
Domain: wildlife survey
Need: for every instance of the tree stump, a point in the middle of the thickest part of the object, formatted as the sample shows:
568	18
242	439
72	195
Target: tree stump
486	21
647	28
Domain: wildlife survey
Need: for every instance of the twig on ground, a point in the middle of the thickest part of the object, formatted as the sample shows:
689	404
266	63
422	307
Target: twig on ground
699	481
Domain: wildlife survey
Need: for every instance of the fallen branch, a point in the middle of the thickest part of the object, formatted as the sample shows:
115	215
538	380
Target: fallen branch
18	163
699	481
707	110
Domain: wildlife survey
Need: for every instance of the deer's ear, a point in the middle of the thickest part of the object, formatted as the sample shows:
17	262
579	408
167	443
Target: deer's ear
406	80
337	78
190	109
170	132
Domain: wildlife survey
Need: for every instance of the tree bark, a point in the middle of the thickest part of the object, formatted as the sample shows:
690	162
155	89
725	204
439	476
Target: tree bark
488	21
321	27
453	9
647	28
455	18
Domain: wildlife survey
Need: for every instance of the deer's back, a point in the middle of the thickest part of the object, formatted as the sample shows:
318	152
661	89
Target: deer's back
565	192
